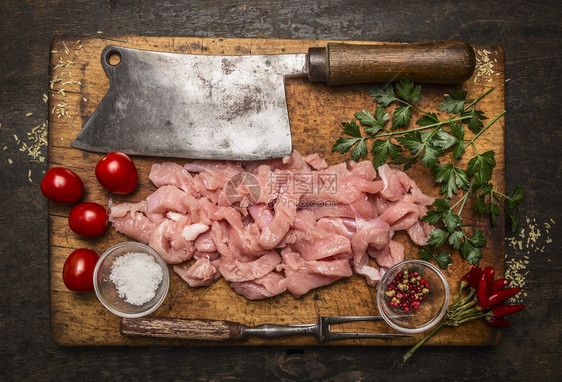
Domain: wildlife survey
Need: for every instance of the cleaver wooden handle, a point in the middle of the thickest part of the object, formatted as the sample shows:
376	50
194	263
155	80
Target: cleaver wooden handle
448	62
193	329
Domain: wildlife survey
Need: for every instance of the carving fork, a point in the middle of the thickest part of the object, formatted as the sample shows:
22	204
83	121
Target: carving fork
217	330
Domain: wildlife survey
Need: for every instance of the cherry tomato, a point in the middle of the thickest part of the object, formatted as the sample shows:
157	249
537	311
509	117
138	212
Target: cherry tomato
117	173
88	219
62	186
78	270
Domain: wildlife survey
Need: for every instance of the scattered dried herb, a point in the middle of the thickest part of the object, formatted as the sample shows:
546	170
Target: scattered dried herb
484	66
396	140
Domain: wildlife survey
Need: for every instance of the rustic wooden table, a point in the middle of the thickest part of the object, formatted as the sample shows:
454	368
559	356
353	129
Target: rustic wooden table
532	39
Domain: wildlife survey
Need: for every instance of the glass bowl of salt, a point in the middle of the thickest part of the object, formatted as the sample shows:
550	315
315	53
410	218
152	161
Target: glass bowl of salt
131	279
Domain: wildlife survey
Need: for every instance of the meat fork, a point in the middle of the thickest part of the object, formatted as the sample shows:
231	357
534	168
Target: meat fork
217	330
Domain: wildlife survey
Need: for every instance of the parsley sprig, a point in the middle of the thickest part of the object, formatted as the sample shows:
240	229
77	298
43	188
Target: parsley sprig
394	140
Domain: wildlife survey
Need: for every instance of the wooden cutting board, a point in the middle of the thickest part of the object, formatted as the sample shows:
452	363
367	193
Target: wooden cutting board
77	85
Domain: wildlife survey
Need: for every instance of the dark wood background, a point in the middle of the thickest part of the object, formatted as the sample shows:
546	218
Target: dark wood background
531	35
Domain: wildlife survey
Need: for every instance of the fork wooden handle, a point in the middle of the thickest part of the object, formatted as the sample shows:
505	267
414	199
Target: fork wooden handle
192	329
447	62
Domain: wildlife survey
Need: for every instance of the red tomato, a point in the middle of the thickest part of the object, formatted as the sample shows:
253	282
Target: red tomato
78	270
62	186
88	219
117	173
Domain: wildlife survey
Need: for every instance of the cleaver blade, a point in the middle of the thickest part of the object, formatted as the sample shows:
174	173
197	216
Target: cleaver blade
234	107
193	106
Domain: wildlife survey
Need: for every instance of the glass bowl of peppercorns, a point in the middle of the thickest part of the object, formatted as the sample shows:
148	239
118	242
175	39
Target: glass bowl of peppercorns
413	296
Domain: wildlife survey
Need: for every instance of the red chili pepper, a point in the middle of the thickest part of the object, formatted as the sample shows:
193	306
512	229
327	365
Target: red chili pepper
482	292
501	296
499	284
489	273
485	285
474	276
498	321
506	310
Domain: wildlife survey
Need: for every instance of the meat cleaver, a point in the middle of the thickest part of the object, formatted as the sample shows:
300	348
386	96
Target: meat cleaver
234	107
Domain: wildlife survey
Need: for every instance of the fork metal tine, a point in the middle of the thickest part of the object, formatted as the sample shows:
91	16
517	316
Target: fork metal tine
347	335
341	319
325	333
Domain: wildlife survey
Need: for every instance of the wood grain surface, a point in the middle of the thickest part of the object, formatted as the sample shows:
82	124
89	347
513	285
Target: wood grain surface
78	84
532	39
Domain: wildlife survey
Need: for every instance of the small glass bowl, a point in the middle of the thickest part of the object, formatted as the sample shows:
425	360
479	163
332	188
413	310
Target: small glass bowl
431	310
106	290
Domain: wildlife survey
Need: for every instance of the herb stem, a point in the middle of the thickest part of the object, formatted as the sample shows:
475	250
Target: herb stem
471	317
479	98
471	142
440	123
499	200
412	350
410	105
465	303
499	193
465	197
424	112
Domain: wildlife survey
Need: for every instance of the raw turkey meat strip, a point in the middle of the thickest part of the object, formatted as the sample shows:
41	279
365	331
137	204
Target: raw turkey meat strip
311	225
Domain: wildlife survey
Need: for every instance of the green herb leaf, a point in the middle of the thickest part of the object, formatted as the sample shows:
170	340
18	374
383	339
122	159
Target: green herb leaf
471	253
401	117
494	212
451	221
365	118
475	123
452	178
406	90
343	145
457	130
486	189
430	156
352	128
516	198
459	150
407	162
480	203
384	96
443	140
412	141
415	143
453	103
514	217
375	122
426	253
461	178
456	239
477	239
443	259
428	119
432	217
481	167
438	237
442	205
381	116
382	149
359	151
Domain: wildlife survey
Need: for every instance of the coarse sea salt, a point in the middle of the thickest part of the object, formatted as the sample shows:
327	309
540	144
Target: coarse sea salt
136	277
